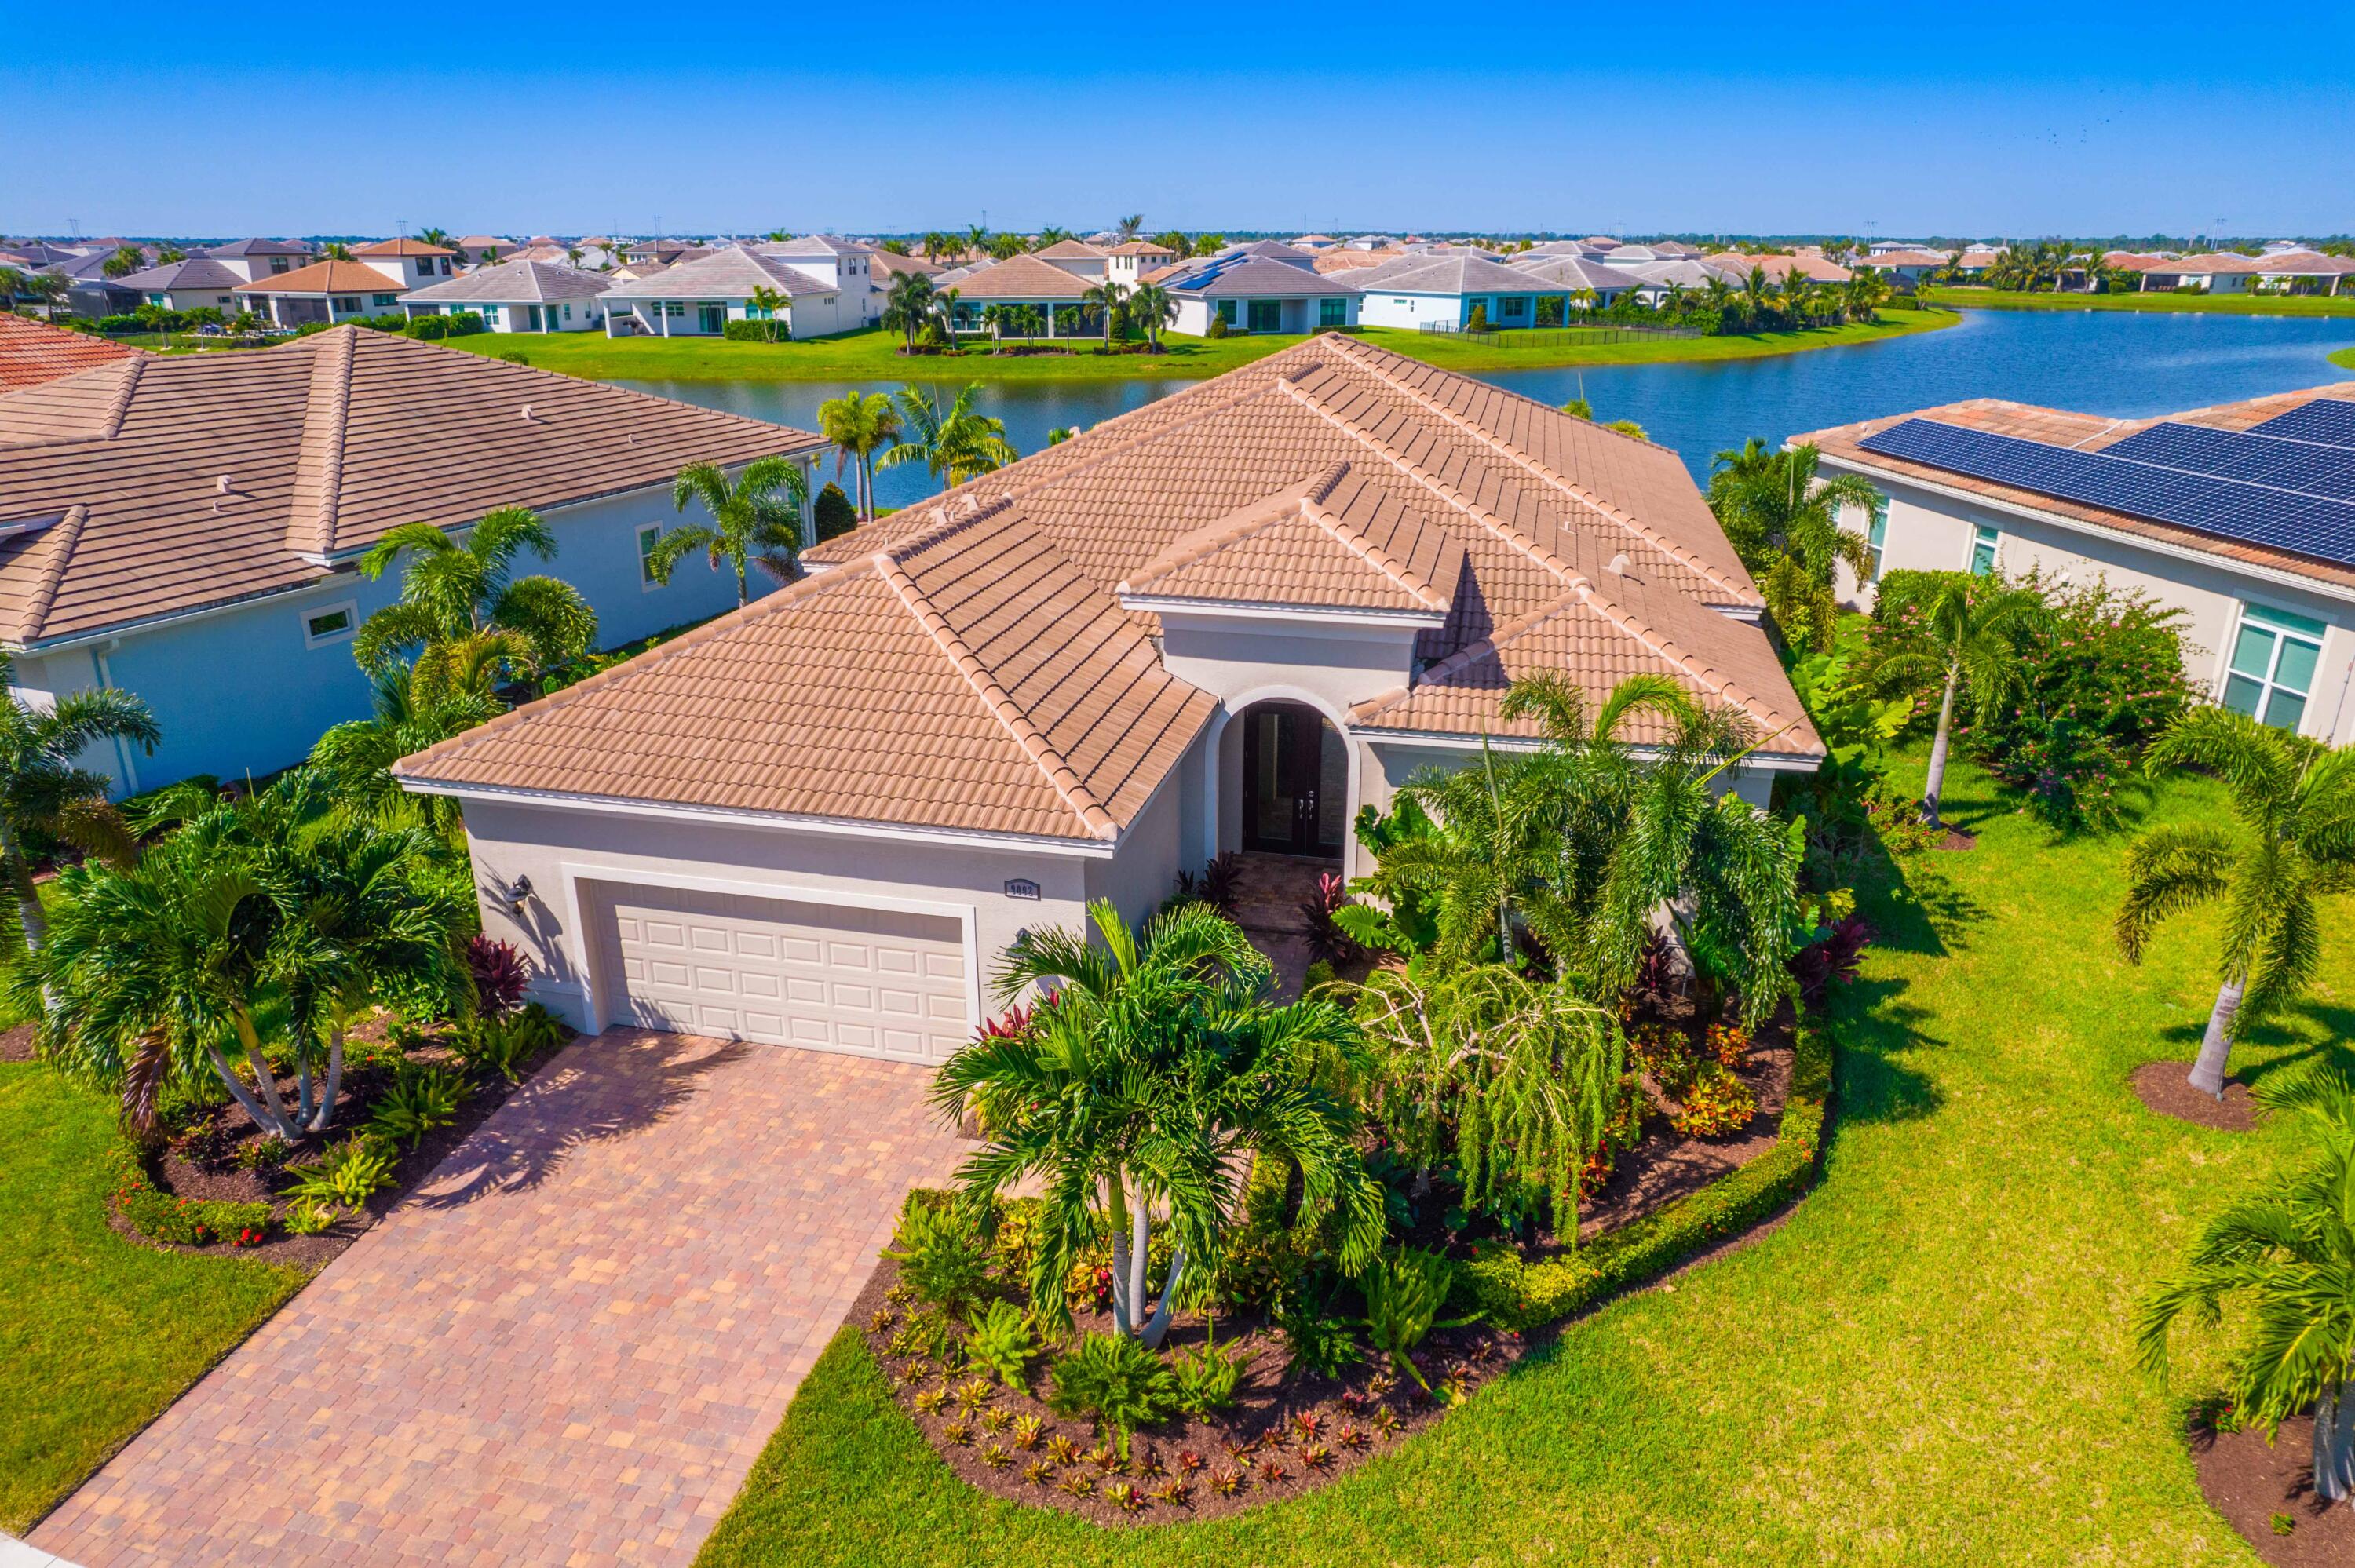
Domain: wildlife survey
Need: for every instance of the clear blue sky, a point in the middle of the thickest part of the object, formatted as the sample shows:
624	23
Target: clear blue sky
1701	116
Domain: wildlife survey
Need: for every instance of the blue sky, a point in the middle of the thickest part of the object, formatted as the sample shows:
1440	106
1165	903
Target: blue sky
1708	117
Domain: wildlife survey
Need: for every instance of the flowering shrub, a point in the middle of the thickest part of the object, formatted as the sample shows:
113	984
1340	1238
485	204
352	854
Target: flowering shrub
1730	1044
189	1222
1717	1103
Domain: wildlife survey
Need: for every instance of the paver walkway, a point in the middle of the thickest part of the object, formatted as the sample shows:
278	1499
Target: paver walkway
567	1347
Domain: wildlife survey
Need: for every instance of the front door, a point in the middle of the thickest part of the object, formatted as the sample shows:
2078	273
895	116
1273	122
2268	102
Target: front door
713	319
1295	781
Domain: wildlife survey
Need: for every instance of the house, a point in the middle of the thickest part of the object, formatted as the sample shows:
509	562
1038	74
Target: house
699	298
1270	250
1571	277
1226	621
410	263
2299	272
1898	262
1256	292
187	528
1974	263
34	352
847	265
1350	259
471	247
1130	262
663	252
253	261
1024	281
519	296
1077	257
1812	265
2240	516
199	282
1441	292
330	292
886	265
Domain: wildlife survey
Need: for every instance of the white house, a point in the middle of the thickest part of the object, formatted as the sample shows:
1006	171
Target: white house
2263	569
1226	621
519	296
699	298
1254	292
331	291
199	282
1574	275
1077	257
1440	292
411	262
846	264
187	527
253	261
1023	283
1128	262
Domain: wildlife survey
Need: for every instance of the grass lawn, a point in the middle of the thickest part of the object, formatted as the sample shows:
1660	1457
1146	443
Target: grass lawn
2344	358
1931	1361
2219	304
99	1334
872	356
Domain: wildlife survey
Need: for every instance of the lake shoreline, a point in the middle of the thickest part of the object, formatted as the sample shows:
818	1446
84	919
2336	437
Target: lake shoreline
2303	305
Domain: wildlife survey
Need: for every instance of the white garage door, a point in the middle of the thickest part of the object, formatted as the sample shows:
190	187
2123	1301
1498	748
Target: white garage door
873	982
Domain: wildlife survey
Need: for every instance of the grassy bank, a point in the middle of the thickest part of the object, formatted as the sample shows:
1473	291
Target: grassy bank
1930	1362
2344	358
2213	304
874	355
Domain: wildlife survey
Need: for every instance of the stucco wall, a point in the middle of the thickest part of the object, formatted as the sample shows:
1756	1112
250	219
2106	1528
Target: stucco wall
1160	843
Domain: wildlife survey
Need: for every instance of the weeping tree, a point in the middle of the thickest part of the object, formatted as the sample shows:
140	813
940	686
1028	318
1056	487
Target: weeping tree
1146	1080
2296	845
2289	1254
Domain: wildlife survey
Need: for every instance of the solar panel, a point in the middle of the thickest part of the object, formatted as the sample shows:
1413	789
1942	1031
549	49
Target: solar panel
2329	420
2315	526
2269	460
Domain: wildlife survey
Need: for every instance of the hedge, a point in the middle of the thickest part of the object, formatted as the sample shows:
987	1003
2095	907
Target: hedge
1517	1295
756	332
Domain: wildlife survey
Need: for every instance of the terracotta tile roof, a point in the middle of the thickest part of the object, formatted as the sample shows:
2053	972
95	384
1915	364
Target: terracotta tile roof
1021	277
887	264
1815	268
34	352
2088	433
206	479
1352	261
1138	247
1069	250
1903	259
325	277
411	248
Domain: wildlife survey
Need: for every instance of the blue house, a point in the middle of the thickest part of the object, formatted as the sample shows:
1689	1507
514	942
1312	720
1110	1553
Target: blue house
189	529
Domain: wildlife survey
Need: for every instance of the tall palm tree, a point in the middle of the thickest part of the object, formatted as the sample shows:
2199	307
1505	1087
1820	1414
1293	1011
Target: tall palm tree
769	301
752	523
976	238
2289	1251
1146	1080
1106	297
1971	654
1129	228
955	444
908	306
42	789
573	254
464	613
2296	803
1155	308
435	236
354	759
860	424
1781	517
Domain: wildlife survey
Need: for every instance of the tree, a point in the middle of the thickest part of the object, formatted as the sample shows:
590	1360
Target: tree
751	523
439	238
955	444
860	424
44	792
335	250
1106	297
1782	518
908	306
2290	1252
1970	622
123	261
976	239
354	759
1175	241
573	255
1131	227
1146	1079
769	303
1153	307
2295	805
462	614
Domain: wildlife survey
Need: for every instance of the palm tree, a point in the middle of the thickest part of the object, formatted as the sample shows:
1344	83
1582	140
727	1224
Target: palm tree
944	317
573	254
955	444
860	424
439	238
976	238
769	301
1155	308
908	306
1971	650
335	250
1106	297
2296	803
1147	1079
1783	519
2290	1252
1129	228
42	790
354	759
464	613
751	523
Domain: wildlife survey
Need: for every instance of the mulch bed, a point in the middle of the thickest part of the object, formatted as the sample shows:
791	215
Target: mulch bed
16	1045
2253	1485
219	1175
2164	1089
1665	1166
1258	1432
1958	841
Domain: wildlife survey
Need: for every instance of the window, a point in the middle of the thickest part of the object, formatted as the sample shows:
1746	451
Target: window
1983	545
330	623
1512	307
649	536
1876	539
675	309
1227	312
278	264
568	312
445	265
384	298
2271	668
352	304
1332	312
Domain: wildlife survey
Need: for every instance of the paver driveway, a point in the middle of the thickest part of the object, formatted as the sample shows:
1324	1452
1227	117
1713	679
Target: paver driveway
567	1347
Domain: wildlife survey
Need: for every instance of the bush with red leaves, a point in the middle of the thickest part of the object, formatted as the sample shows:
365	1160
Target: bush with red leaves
1817	966
498	974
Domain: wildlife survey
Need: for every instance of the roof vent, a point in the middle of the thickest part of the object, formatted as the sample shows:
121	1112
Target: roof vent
222	485
1619	565
527	414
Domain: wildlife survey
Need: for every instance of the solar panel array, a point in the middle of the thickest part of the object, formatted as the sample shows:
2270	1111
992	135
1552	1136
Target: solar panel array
2268	460
2283	516
2327	420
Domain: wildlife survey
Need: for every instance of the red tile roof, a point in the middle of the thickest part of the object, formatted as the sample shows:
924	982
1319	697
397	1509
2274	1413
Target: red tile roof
33	352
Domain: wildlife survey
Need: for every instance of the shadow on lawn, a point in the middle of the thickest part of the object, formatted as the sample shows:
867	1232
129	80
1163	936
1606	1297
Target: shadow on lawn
633	1081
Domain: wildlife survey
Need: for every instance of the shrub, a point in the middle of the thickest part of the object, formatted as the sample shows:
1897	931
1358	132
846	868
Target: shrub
1717	1103
268	1153
1403	1295
498	973
1479	320
939	1257
1117	1381
1326	941
1832	958
348	1174
1217	327
1315	1341
420	1099
1001	1341
832	513
427	328
308	1217
502	1045
1207	1378
755	332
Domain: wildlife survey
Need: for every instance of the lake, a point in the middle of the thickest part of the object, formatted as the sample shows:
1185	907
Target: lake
2123	364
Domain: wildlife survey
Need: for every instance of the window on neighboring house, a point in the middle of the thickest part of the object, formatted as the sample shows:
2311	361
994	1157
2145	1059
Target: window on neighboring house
1983	544
330	623
1512	307
568	312
1332	312
278	264
675	308
445	265
1227	312
2272	669
1876	538
648	538
385	299
352	304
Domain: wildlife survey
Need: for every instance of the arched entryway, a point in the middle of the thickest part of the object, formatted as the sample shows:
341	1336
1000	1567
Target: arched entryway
1295	781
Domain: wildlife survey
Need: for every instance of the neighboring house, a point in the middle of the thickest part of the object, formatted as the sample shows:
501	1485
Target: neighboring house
2222	272
886	265
632	271
257	261
1439	292
1130	262
187	528
34	352
2240	516
1251	291
1573	275
1270	250
1350	259
519	296
410	263
1973	264
848	265
699	298
200	282
1056	292
470	249
1077	257
663	252
1735	266
2296	271
1227	621
1894	263
328	291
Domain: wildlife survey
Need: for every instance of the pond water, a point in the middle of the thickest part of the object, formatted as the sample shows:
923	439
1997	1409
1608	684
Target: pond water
2116	363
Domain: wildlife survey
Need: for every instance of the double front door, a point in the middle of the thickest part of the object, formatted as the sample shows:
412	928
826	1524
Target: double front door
1295	781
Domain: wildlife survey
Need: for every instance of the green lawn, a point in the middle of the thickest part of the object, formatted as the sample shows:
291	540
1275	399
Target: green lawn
2221	304
99	1334
2344	358
1931	1361
873	355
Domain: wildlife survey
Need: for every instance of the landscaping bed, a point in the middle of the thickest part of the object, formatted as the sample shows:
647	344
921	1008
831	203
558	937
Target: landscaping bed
2266	1490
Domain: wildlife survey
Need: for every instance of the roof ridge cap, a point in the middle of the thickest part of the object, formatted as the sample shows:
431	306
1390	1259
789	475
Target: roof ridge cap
326	408
1059	774
118	407
1681	554
1355	541
37	604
